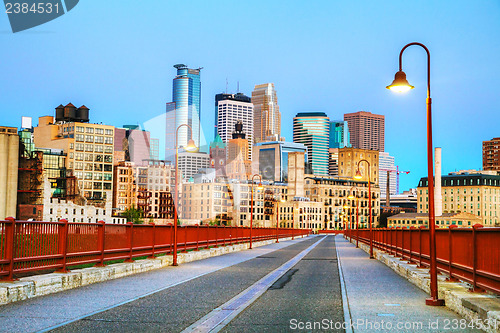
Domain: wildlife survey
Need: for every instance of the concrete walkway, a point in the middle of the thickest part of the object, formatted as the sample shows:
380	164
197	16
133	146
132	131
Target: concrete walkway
381	300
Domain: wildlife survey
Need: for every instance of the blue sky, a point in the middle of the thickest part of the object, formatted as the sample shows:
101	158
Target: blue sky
116	57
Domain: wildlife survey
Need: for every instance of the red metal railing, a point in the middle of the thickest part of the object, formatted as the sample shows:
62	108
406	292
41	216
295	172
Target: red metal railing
31	246
467	254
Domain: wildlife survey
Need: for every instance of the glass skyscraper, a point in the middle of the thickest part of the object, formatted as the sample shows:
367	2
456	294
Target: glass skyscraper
185	108
312	129
339	134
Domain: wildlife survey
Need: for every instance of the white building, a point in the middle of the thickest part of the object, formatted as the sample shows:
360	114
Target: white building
229	109
386	162
190	163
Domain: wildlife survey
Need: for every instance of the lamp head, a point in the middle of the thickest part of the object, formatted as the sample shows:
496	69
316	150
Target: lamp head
351	196
400	84
191	146
345	207
283	200
358	175
260	187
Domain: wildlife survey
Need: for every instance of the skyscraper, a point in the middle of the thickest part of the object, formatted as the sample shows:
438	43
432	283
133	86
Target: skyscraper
386	163
313	130
367	130
229	109
267	116
491	154
185	108
339	134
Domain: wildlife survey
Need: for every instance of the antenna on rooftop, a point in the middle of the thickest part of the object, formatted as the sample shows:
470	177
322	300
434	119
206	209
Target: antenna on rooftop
226	85
238	89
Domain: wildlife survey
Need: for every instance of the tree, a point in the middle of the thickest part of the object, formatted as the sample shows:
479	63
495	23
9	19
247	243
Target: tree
133	215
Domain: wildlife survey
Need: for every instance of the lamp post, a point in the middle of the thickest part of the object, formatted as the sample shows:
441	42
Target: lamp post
251	203
358	176
351	197
191	147
400	84
345	218
278	217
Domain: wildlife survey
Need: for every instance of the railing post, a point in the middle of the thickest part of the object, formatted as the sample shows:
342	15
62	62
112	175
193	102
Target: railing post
100	240
420	245
230	235
411	248
224	233
130	232
208	237
216	228
197	237
63	244
474	255
450	252
185	238
153	239
10	227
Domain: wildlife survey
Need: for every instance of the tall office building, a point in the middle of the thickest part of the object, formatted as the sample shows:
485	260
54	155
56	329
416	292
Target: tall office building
491	154
267	116
89	148
339	134
185	108
229	109
272	159
9	156
386	163
367	130
313	130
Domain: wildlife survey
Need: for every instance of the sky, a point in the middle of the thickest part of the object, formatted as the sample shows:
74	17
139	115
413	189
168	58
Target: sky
116	57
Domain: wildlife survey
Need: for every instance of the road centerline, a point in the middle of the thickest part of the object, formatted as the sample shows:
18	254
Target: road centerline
221	316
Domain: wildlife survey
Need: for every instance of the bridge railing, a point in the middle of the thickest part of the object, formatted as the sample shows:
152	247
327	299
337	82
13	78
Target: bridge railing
471	255
32	247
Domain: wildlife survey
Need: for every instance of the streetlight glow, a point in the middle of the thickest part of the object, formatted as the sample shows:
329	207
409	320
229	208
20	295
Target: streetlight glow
358	175
400	84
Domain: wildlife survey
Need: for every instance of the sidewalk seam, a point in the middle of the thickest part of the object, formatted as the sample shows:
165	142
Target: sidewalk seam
345	298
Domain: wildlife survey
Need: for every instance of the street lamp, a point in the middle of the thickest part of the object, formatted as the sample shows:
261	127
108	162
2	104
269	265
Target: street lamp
259	187
400	84
352	197
191	147
358	176
278	217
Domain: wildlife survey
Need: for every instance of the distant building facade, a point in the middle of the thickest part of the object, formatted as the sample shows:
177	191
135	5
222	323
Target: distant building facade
312	129
339	134
491	154
9	155
271	159
229	109
386	163
267	116
185	108
349	159
367	130
477	194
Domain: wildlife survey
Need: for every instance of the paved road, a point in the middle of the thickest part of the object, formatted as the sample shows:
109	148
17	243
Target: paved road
176	308
309	292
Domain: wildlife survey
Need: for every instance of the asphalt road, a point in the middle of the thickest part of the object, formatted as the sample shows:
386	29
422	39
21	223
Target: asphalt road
309	291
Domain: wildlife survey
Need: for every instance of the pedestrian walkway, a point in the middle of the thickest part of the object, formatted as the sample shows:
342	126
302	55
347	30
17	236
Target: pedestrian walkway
380	300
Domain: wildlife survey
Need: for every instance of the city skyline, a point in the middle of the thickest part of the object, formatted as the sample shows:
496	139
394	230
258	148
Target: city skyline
459	64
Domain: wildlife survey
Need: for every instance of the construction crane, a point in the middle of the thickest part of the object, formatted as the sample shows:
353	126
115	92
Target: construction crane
388	194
